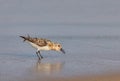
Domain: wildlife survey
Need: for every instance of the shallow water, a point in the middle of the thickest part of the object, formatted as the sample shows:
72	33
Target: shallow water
93	52
88	30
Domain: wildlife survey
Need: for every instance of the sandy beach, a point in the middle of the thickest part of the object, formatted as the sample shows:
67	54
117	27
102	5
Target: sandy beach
89	31
95	59
29	69
87	58
104	77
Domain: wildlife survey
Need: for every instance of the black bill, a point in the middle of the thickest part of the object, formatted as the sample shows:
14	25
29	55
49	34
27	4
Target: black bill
62	50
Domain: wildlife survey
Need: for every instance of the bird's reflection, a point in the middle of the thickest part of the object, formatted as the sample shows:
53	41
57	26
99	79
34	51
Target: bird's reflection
49	67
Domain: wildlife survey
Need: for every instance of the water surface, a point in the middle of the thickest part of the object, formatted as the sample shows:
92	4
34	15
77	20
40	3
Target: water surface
88	30
89	51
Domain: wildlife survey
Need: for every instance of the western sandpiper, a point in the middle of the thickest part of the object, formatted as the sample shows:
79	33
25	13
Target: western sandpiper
42	44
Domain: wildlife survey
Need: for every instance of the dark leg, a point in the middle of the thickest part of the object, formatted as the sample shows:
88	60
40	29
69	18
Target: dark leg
40	54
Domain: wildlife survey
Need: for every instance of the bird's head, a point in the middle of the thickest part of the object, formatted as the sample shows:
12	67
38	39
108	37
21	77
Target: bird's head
58	47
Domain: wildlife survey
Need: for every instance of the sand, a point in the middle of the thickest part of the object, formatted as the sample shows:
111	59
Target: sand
103	77
27	69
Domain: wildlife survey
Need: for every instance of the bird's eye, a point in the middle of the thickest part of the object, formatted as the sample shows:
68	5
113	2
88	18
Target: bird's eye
58	45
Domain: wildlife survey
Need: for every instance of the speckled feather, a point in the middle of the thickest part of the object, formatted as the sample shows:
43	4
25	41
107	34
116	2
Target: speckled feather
38	41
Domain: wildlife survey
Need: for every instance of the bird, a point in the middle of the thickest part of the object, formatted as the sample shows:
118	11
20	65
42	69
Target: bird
42	44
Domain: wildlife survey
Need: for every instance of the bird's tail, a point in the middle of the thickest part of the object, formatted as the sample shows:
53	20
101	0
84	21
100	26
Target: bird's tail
25	38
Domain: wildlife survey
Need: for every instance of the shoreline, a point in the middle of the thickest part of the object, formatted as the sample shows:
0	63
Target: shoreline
102	77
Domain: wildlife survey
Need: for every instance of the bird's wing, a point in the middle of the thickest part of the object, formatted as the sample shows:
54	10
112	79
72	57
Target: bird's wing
37	41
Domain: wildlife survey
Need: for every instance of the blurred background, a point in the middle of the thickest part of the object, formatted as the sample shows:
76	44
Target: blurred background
89	31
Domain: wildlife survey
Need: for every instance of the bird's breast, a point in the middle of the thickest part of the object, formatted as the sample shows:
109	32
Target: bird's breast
39	47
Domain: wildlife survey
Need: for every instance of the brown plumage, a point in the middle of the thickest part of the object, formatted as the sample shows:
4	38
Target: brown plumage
37	41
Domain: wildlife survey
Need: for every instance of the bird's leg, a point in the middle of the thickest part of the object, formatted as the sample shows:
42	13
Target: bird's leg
40	54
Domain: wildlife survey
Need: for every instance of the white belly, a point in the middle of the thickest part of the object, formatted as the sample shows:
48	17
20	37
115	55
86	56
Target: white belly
38	47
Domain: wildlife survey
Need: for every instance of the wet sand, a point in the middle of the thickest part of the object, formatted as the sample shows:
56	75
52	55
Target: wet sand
94	59
30	69
104	77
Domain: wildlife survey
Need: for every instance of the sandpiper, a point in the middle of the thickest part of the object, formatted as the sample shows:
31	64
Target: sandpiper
42	44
